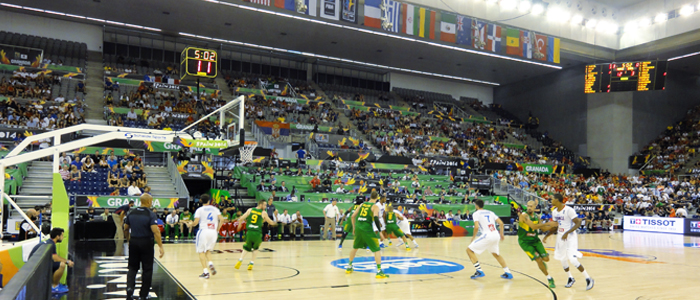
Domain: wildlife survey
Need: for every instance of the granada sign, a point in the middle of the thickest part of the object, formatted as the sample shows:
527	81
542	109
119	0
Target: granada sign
542	169
116	201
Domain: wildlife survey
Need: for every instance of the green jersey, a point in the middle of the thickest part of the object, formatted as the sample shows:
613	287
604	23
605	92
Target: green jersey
525	233
186	217
391	217
365	217
254	221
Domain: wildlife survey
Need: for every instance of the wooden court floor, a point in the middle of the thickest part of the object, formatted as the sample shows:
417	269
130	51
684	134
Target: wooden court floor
629	265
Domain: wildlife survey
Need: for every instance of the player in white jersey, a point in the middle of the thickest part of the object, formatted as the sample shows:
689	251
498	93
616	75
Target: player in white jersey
210	221
485	221
566	249
404	225
381	231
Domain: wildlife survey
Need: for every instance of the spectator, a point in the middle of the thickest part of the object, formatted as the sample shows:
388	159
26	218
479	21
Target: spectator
131	115
105	214
75	174
59	263
65	174
297	222
133	190
283	221
681	212
171	224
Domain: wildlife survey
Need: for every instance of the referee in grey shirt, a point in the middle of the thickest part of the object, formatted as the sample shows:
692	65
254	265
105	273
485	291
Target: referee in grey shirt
144	229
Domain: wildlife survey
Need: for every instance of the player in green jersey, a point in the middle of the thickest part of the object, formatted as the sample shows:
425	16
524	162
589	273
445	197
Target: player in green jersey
347	223
391	227
254	219
362	220
528	224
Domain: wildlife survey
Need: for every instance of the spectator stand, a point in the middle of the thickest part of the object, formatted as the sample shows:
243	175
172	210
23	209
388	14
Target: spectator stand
55	52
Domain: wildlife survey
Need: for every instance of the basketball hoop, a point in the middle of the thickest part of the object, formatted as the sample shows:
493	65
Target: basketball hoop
247	151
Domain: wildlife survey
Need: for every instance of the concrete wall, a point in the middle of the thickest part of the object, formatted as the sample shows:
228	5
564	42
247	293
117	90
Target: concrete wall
557	99
52	28
454	88
609	134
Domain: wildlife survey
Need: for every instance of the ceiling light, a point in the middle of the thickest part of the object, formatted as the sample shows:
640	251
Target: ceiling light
591	23
577	19
509	4
660	18
644	22
491	1
606	27
687	10
631	26
537	9
524	6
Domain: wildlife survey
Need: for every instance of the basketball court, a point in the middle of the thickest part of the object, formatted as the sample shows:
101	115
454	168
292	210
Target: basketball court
629	265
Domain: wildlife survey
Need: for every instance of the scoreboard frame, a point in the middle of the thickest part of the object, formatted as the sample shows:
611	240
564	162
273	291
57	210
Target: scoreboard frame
205	62
633	76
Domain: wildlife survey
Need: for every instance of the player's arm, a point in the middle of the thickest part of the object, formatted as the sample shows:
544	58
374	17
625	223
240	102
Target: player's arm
158	239
577	225
221	223
268	220
375	212
476	230
127	233
524	218
399	216
544	240
500	227
244	216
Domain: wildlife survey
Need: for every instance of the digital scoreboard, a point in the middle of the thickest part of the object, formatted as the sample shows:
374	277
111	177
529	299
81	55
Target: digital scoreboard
624	77
196	62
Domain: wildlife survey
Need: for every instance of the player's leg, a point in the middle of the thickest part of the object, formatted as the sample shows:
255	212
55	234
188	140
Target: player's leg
373	245
589	281
474	248
358	243
257	241
247	247
495	252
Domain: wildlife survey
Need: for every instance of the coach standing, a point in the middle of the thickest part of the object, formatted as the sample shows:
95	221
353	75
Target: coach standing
118	218
331	212
144	229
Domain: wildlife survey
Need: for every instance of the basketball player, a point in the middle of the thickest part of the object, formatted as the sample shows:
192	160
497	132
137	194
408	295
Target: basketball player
381	230
528	224
392	227
566	249
347	223
210	220
405	227
362	220
485	221
254	219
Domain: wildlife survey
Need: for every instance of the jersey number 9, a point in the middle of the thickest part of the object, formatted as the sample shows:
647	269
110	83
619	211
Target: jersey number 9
254	218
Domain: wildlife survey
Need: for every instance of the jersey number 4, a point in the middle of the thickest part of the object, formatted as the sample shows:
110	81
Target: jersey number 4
210	217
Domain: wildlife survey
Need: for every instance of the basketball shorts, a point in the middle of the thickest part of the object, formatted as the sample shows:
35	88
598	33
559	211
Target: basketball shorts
347	227
534	249
486	242
394	229
253	239
366	239
405	227
567	249
206	240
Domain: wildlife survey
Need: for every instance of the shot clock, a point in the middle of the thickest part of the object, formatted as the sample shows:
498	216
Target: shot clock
196	62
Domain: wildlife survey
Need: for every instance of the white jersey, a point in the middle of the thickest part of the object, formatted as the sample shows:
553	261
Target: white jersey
382	209
565	218
208	217
487	221
397	213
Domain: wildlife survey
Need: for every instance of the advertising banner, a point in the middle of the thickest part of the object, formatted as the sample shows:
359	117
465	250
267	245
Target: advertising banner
692	227
20	56
117	201
542	169
592	207
651	224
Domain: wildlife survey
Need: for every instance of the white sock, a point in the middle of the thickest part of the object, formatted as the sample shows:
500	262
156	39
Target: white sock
211	264
206	271
549	277
251	262
506	270
414	242
569	273
585	274
240	259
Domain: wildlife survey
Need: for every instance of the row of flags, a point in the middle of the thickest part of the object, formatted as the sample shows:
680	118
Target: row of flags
397	17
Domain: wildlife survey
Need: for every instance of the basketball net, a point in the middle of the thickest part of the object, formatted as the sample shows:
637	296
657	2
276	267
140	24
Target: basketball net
247	151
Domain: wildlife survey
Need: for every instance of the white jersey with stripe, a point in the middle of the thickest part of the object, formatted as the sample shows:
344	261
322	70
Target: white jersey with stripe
487	221
565	218
208	217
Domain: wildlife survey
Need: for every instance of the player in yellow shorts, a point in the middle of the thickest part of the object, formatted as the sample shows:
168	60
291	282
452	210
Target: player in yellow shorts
362	220
254	218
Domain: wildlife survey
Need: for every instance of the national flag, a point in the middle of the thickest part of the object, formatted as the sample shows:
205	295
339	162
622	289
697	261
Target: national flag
391	11
448	28
408	18
526	43
553	50
330	9
417	21
307	7
373	14
493	40
479	34
464	32
513	46
261	2
540	47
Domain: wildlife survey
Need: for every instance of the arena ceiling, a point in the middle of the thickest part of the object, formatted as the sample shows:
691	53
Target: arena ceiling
231	23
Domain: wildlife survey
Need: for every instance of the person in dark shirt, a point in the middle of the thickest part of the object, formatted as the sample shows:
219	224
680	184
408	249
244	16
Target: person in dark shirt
59	263
270	210
164	214
26	231
118	217
143	224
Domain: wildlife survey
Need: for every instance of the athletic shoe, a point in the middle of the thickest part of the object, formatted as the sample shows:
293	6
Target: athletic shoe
390	243
589	283
212	269
415	245
382	246
59	290
250	267
381	275
401	244
204	275
570	283
408	248
238	265
348	270
507	276
479	273
551	283
340	247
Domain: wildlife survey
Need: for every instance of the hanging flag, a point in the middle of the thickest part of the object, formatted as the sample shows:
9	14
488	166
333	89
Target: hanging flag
479	34
348	11
448	28
464	33
391	13
426	23
373	14
417	21
553	49
493	40
286	4
526	43
330	9
408	17
261	2
540	47
513	46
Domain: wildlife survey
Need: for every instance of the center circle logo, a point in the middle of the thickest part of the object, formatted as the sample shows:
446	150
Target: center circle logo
400	265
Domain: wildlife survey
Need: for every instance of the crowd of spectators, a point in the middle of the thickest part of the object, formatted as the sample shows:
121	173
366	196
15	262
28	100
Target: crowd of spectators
123	175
